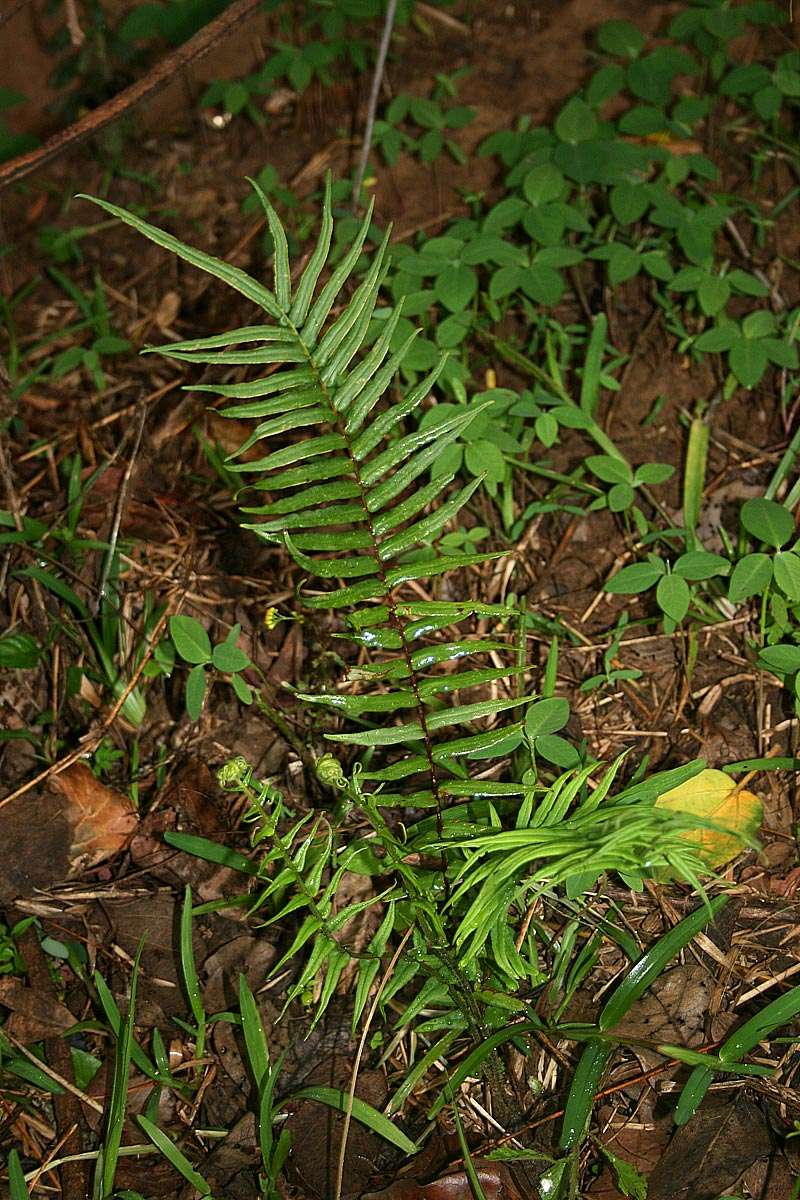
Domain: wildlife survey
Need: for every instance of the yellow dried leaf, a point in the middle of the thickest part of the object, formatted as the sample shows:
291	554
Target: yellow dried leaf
713	795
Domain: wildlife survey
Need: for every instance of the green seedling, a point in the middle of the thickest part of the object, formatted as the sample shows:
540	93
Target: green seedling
396	132
274	1150
193	645
674	583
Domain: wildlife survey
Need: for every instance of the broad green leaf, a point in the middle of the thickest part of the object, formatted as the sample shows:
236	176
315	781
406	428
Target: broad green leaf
542	184
783	659
786	569
654	473
456	286
673	596
713	294
576	122
228	658
716	339
557	750
629	202
609	469
190	638
750	576
195	691
621	38
700	564
758	324
767	521
546	716
638	577
748	362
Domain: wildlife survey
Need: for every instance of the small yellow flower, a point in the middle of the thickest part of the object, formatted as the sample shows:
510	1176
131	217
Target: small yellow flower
271	618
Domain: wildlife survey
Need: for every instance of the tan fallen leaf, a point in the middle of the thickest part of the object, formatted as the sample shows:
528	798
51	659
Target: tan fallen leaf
101	818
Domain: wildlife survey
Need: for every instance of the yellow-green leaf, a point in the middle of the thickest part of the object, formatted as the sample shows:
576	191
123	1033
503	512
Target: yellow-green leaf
713	796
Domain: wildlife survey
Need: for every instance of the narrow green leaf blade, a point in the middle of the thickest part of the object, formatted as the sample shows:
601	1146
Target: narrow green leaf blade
234	277
362	1111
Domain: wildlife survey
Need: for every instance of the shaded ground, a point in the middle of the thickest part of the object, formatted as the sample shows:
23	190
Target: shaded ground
523	59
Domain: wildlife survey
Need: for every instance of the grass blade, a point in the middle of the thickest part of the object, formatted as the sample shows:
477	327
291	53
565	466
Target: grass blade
189	972
363	1112
756	1030
255	1039
593	365
17	1187
174	1156
585	1082
119	1086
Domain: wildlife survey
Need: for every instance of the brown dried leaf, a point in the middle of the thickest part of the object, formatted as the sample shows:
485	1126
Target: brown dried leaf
316	1132
672	1010
167	311
494	1178
102	819
34	1016
707	1157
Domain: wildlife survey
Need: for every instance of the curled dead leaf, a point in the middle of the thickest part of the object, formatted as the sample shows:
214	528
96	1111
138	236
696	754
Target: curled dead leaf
102	819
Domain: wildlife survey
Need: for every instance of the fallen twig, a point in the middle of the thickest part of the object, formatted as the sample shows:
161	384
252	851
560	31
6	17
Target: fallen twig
161	74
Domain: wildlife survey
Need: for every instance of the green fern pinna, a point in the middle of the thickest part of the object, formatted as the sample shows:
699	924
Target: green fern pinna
350	495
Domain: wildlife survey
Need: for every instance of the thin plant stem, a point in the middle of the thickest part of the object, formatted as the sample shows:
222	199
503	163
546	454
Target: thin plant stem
372	108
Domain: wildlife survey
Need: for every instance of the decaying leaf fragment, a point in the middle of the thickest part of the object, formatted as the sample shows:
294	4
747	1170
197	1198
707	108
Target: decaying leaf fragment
101	818
713	796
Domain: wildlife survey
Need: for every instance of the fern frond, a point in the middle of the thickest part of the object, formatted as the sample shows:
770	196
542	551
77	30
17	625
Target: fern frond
344	496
